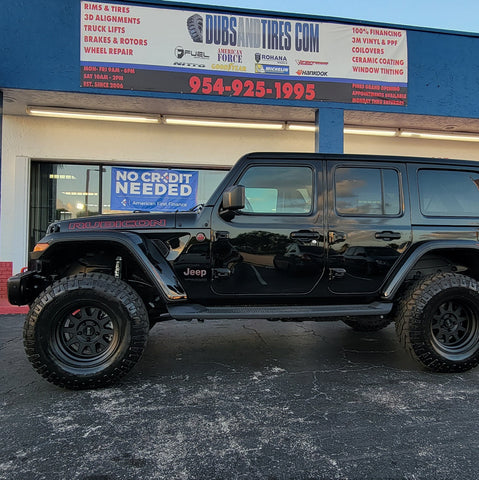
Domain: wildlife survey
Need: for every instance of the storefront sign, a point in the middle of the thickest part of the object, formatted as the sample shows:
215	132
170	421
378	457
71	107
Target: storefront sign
207	53
153	190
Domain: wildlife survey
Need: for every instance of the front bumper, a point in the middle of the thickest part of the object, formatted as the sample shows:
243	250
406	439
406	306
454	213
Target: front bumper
23	288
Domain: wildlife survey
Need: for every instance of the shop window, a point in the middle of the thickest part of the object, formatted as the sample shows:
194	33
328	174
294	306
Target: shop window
60	191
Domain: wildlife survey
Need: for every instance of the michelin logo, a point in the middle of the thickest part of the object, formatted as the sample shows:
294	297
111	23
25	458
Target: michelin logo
271	69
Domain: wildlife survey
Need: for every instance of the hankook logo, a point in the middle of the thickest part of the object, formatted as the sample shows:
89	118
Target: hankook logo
312	73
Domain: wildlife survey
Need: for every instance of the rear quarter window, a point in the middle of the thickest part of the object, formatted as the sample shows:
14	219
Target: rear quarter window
448	193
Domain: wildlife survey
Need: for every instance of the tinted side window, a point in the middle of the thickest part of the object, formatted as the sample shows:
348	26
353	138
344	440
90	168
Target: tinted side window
367	191
278	190
449	193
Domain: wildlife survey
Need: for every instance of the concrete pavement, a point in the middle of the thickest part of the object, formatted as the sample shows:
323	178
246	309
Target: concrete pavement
243	400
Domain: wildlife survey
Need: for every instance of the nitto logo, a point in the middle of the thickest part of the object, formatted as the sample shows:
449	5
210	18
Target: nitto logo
180	52
188	64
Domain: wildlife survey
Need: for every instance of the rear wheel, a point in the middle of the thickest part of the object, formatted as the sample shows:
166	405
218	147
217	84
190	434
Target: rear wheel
438	322
86	331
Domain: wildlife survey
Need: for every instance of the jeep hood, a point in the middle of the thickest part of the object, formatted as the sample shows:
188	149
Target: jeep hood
130	222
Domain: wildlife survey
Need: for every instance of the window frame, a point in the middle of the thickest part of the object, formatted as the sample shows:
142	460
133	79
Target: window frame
314	183
370	167
419	196
34	222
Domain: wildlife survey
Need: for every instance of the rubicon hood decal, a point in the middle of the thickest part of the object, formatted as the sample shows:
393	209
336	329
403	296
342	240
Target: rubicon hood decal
116	224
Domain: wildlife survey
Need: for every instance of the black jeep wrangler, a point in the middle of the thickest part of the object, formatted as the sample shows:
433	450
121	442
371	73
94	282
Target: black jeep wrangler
366	240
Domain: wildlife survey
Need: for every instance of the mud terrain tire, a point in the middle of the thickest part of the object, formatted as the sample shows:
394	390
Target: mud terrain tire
86	331
438	322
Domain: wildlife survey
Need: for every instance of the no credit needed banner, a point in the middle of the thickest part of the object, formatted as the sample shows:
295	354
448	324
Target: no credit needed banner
208	53
153	190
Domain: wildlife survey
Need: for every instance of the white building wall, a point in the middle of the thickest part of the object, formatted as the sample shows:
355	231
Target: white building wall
412	147
68	141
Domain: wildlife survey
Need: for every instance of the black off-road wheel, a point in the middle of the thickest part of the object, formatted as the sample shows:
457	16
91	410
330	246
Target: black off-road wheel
438	322
367	324
86	331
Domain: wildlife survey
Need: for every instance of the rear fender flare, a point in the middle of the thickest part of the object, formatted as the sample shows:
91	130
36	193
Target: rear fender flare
398	276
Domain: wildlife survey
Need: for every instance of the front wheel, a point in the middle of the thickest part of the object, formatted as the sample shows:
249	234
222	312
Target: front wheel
438	322
86	331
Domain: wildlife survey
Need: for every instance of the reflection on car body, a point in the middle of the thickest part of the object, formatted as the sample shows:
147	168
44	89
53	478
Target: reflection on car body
300	259
369	260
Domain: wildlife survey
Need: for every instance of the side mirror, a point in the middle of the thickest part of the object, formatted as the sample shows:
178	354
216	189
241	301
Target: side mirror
234	198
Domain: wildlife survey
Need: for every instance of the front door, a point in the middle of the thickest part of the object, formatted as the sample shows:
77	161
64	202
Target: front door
369	224
274	246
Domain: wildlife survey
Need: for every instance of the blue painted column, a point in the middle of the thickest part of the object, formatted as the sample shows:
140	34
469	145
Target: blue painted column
1	123
329	130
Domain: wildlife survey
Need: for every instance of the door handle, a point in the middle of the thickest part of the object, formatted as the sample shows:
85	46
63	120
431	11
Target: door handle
387	235
305	235
336	237
221	235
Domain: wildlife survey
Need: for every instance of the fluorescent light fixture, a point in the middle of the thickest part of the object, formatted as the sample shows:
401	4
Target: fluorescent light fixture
80	114
237	123
376	132
457	137
81	194
223	122
56	176
301	127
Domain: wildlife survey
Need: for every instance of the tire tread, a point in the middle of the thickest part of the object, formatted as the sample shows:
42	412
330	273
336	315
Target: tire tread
409	320
99	282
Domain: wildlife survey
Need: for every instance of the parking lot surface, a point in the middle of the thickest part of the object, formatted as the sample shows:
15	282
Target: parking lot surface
243	400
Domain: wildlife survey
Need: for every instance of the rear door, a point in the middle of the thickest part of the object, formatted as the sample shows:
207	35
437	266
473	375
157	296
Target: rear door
369	224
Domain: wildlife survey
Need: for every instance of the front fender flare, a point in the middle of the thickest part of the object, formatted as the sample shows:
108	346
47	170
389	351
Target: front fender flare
160	274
